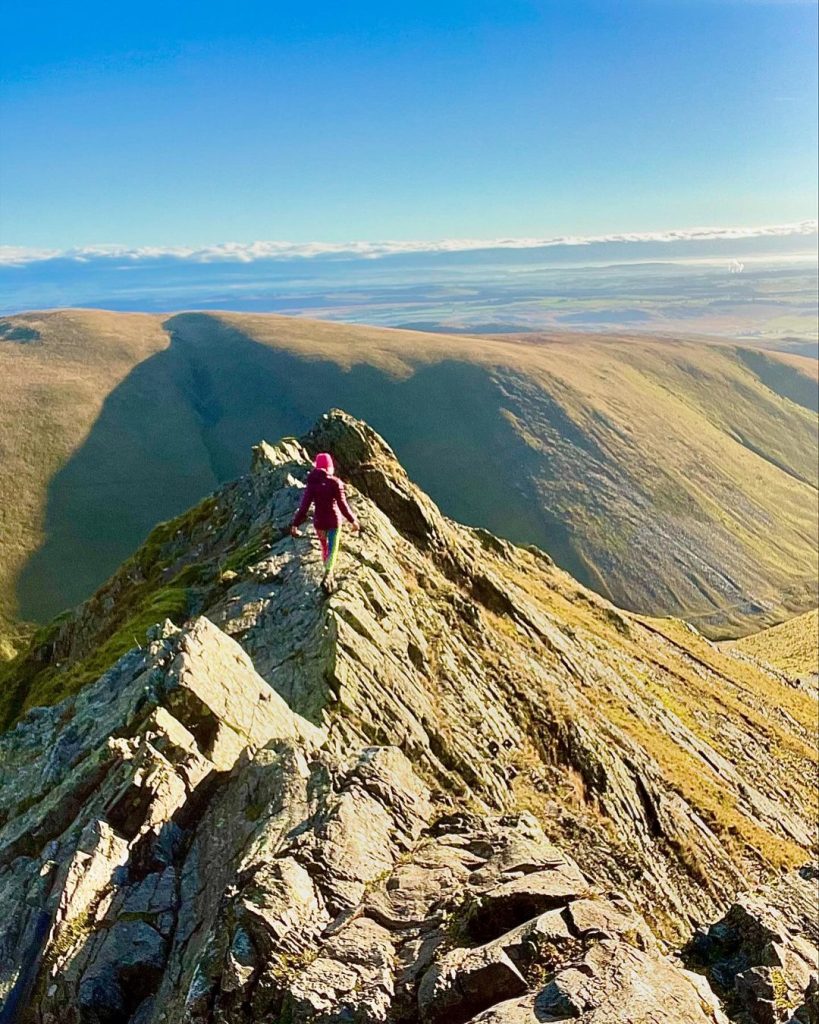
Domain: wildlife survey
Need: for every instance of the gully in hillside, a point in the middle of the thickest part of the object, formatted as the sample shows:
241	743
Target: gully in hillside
326	493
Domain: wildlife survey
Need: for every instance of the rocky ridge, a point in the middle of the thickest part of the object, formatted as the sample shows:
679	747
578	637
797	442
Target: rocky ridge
462	788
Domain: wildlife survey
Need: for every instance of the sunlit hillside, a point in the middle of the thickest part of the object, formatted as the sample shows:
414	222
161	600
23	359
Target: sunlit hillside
673	477
792	646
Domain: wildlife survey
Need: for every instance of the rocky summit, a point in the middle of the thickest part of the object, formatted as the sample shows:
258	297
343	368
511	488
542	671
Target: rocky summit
462	788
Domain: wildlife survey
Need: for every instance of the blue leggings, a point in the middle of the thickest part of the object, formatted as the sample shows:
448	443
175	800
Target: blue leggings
329	540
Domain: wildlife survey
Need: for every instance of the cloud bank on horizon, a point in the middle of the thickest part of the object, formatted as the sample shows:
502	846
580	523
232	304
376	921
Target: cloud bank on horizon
250	252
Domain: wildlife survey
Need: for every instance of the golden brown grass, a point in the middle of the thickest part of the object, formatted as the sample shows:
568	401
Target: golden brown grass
699	470
663	671
804	364
792	647
687	426
52	392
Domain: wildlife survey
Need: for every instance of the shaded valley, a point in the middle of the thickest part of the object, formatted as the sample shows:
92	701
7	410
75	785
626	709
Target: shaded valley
670	477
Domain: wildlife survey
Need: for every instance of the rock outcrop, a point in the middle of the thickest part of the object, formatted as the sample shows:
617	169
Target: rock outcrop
762	955
461	789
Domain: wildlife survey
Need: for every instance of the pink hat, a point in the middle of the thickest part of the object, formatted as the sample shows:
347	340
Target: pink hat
325	461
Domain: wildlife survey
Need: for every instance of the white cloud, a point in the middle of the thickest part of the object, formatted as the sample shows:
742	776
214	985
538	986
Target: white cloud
242	252
12	254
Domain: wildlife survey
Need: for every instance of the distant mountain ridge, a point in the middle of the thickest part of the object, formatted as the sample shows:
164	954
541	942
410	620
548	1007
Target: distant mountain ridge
672	477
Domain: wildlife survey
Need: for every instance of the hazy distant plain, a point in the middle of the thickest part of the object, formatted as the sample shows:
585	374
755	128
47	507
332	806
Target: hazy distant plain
743	289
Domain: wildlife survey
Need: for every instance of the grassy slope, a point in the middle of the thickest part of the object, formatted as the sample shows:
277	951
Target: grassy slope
802	364
686	481
53	390
737	708
792	646
668	475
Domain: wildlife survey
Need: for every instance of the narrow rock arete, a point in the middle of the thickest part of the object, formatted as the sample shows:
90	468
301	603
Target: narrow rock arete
461	789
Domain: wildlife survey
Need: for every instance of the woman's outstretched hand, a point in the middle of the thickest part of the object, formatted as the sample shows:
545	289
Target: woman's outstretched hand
295	531
356	527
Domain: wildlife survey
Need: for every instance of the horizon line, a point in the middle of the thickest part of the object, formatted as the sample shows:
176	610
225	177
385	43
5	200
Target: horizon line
249	252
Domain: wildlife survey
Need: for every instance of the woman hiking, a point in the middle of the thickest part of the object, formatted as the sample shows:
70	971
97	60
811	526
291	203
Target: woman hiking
326	492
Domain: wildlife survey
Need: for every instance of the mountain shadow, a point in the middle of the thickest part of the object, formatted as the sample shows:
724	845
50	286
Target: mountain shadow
782	379
184	420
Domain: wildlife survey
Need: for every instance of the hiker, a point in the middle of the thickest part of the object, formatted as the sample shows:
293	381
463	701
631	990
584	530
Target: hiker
326	493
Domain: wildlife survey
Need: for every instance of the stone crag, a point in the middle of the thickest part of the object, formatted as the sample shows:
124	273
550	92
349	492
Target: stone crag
461	789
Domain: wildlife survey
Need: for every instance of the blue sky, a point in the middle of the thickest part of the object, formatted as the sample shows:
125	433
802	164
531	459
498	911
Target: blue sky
181	124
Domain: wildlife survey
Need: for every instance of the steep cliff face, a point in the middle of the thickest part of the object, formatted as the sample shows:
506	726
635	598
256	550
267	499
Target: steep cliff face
461	788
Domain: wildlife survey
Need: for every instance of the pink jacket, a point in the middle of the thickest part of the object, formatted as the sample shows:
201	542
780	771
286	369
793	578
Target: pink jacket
326	493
